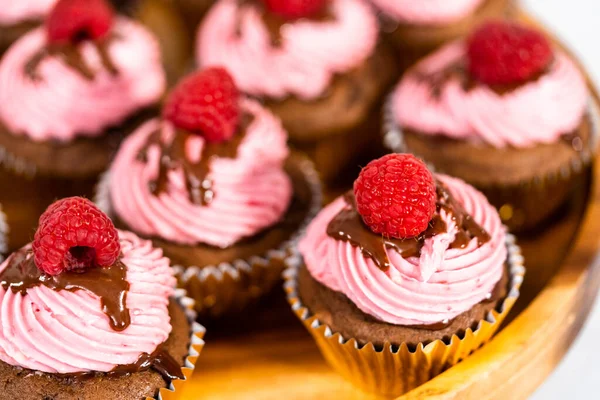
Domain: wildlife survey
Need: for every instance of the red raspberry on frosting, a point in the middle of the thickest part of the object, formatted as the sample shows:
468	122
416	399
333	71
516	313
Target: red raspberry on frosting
71	21
504	53
396	196
73	234
294	9
205	102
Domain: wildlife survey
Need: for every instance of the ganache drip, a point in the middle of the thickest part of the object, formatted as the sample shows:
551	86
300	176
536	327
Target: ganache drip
72	56
109	284
173	156
348	226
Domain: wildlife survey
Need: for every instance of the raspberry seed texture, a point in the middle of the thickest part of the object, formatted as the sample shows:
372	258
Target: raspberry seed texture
396	196
74	234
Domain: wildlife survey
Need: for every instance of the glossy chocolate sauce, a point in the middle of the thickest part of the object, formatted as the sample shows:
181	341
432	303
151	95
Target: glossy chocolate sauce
459	70
348	226
173	156
109	284
72	57
274	23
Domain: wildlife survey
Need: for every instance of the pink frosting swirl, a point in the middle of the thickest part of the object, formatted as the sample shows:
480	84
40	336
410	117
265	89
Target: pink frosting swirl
14	11
64	104
428	12
252	190
311	52
67	332
540	111
438	286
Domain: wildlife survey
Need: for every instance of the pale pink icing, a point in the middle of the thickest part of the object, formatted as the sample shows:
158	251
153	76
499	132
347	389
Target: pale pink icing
311	53
65	104
540	111
252	191
67	332
430	12
15	11
439	286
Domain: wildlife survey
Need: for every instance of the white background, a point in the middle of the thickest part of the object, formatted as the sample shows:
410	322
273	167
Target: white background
577	22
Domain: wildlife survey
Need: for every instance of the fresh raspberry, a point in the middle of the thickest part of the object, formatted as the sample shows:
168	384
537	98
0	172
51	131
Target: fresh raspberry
73	234
504	53
71	21
205	102
294	9
396	196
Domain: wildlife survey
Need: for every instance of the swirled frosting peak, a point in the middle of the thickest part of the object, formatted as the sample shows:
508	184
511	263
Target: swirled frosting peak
437	98
214	194
16	11
66	331
45	97
425	281
307	55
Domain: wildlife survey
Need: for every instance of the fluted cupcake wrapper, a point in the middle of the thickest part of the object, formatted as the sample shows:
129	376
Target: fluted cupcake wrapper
175	389
231	286
522	204
397	367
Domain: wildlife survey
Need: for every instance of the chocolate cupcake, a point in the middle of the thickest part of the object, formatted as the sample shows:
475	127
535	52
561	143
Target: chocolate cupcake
214	185
505	111
419	27
90	312
403	277
69	93
310	65
19	17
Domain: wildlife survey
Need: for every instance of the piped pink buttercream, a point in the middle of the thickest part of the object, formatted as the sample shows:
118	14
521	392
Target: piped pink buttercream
13	12
539	111
64	104
310	54
428	12
252	191
67	332
438	286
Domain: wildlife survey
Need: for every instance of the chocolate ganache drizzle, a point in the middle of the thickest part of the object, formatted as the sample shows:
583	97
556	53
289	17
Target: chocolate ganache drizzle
111	286
348	226
173	156
109	283
72	56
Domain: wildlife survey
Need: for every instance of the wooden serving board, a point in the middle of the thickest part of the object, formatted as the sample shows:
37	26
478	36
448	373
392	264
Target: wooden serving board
267	354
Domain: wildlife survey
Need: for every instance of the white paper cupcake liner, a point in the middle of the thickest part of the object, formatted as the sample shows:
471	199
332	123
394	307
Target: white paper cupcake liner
397	368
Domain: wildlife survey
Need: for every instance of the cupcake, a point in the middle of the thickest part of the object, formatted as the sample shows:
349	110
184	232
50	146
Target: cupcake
507	112
310	65
418	27
404	276
18	17
68	94
214	185
90	312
